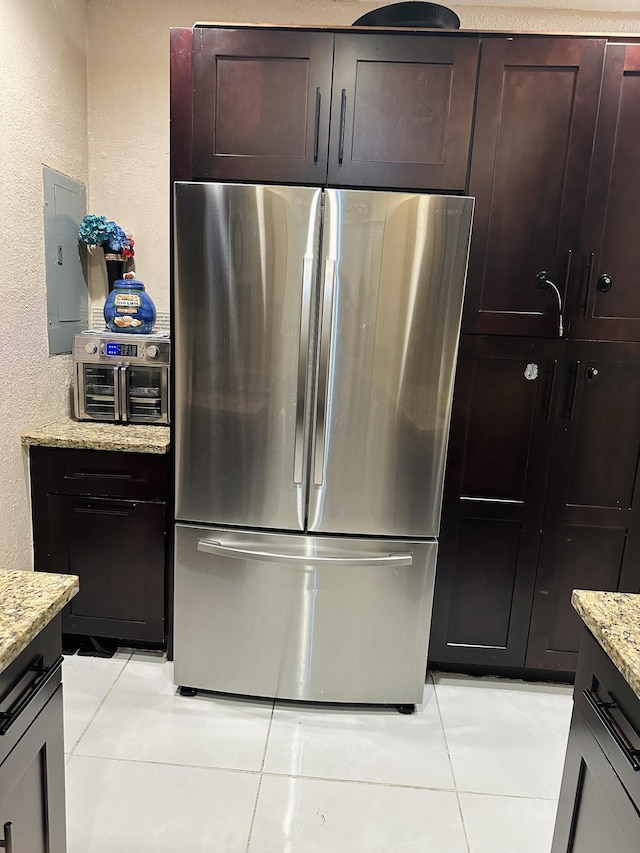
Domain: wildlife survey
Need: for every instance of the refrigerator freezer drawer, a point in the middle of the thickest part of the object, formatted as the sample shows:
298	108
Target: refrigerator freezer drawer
316	618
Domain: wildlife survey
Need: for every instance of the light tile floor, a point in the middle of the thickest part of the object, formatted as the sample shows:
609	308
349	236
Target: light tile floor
476	770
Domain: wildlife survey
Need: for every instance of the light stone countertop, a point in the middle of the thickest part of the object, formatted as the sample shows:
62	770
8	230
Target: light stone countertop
86	435
614	620
28	602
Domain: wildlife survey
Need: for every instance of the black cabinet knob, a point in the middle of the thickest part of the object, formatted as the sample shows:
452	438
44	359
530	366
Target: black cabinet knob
591	374
604	283
543	282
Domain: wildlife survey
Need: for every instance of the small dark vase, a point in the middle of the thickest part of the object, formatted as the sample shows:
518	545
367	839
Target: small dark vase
115	267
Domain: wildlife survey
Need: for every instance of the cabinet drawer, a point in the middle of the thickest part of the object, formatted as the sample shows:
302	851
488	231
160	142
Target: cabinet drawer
27	684
612	712
98	472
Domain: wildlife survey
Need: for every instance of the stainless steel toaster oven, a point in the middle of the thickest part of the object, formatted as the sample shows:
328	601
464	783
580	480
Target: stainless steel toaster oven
123	378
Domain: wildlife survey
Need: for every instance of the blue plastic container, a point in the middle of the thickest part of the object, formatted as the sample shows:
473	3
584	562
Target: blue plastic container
129	308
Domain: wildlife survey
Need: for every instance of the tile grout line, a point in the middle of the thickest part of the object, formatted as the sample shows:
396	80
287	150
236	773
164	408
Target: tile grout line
453	773
93	716
337	781
264	758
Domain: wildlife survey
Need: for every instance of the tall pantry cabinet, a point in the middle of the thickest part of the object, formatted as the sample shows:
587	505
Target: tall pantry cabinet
540	491
556	169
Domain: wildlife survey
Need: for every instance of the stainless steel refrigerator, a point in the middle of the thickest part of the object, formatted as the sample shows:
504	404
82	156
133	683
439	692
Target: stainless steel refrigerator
316	333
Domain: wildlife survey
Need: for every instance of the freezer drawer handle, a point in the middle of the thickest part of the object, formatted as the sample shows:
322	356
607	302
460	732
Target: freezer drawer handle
209	546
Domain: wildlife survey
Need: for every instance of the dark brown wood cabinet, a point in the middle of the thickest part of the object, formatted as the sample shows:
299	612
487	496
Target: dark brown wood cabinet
32	798
101	515
535	121
494	500
541	497
383	110
607	296
599	805
591	527
555	171
402	111
261	101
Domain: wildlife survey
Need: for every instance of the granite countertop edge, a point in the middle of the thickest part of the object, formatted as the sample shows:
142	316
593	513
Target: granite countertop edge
28	602
614	620
86	435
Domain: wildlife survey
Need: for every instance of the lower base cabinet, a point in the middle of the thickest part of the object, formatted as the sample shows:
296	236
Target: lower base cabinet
32	782
542	496
101	515
599	806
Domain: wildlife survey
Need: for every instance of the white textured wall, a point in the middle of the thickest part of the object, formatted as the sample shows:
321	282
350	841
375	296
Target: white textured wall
43	100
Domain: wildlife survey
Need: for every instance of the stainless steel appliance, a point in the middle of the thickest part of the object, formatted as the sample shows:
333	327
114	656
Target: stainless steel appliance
122	377
315	334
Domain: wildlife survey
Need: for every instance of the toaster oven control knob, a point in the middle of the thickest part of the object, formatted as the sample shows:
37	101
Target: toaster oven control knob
91	348
153	351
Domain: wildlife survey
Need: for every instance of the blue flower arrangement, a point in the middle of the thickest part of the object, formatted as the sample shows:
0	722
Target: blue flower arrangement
100	231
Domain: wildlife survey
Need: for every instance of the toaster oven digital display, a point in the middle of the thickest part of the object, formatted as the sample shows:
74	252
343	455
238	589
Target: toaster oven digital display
122	350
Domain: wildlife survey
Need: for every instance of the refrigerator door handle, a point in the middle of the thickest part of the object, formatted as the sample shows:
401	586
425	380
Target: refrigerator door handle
303	367
324	371
210	546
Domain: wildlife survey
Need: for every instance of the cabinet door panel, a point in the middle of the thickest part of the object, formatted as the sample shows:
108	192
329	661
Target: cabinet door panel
32	784
494	500
496	457
595	813
535	120
402	108
261	105
606	425
117	550
484	599
591	537
612	220
590	557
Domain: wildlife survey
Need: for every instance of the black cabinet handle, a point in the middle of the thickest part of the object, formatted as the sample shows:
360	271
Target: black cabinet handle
43	674
552	385
590	267
316	133
7	843
568	272
602	711
101	510
343	118
604	283
97	475
571	401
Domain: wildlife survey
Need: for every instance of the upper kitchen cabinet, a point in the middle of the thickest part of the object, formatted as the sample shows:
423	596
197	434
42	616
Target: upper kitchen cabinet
607	300
261	104
402	109
535	123
356	109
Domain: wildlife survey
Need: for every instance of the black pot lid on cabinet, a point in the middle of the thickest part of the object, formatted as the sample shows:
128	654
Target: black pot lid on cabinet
413	14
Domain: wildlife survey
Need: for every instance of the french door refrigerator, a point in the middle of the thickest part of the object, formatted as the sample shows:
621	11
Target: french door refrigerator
316	333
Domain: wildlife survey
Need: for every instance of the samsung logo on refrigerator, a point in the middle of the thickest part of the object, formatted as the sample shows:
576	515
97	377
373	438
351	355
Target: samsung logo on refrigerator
447	211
